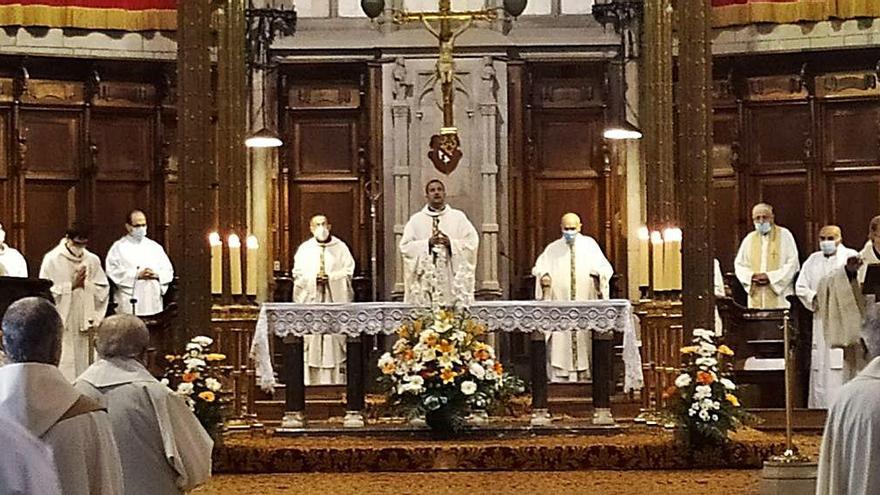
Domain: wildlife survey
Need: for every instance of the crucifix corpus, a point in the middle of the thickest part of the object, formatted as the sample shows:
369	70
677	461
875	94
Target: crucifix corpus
446	25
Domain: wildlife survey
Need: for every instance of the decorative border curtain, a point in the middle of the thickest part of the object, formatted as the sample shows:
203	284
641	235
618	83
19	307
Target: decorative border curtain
735	12
125	15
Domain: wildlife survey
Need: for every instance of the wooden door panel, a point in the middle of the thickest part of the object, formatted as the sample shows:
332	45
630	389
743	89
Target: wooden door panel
340	202
53	143
124	145
113	201
852	134
788	196
779	135
50	209
725	139
557	197
5	143
855	199
569	144
726	213
325	146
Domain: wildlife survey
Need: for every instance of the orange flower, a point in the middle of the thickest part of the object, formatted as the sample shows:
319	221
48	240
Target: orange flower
669	392
431	341
727	351
215	356
732	399
445	346
207	396
417	327
689	349
389	368
499	369
408	355
403	331
448	376
190	377
705	378
170	357
481	354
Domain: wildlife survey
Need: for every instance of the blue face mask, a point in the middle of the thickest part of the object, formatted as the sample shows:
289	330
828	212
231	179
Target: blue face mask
762	227
569	235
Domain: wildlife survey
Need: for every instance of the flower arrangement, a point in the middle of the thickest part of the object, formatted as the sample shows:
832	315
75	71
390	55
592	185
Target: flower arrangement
704	403
192	376
439	367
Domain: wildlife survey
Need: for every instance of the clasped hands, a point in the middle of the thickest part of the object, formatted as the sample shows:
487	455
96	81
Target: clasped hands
440	239
147	274
760	279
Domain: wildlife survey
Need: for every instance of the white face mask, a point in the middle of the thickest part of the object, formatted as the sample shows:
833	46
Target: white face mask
828	247
321	233
139	232
76	250
2	237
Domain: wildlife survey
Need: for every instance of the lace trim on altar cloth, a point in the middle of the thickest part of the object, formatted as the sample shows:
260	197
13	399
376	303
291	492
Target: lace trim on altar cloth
353	319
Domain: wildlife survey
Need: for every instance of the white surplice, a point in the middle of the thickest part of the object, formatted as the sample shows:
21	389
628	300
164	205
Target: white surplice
827	372
37	396
128	257
324	354
456	273
849	459
26	464
82	309
719	292
869	257
590	262
12	263
162	445
781	279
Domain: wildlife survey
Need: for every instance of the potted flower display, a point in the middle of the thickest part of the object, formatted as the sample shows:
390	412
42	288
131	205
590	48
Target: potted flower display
193	376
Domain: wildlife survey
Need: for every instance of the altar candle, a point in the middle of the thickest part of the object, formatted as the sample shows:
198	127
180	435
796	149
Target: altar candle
234	244
657	259
253	245
216	263
672	258
642	266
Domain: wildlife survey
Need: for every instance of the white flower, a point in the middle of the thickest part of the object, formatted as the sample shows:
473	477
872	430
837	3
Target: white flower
193	346
385	360
194	363
729	385
714	417
704	415
428	355
468	387
703	333
706	361
702	391
212	384
478	371
683	380
164	381
202	340
184	388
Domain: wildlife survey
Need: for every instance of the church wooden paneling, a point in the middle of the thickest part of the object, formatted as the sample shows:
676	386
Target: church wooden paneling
855	199
338	201
123	144
569	145
50	208
114	199
779	135
725	209
555	197
54	143
852	133
325	146
788	195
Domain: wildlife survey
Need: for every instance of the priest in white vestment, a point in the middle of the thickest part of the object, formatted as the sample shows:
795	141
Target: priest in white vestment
34	394
12	263
139	268
767	261
163	447
849	458
26	464
571	268
439	249
81	293
870	253
323	268
719	292
827	372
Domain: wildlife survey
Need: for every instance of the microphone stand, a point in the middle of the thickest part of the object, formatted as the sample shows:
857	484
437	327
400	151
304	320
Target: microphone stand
133	301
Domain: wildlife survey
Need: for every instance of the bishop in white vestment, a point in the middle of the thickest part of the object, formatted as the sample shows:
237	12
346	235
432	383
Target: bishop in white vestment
439	249
34	394
572	268
12	263
767	261
827	372
26	464
140	269
849	458
163	447
322	271
81	293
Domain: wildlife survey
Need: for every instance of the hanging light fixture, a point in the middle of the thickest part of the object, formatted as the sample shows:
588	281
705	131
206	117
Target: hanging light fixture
264	138
621	14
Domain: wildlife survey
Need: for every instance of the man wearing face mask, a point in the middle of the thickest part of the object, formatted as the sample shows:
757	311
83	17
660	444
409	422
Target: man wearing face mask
140	269
12	263
81	292
767	261
826	363
571	268
322	271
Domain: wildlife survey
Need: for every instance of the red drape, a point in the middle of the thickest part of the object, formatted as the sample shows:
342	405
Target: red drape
126	15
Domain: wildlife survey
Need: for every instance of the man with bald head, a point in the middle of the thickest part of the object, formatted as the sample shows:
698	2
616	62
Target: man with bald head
767	261
162	446
571	268
827	373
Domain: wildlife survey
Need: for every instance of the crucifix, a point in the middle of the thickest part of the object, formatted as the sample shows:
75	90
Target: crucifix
446	25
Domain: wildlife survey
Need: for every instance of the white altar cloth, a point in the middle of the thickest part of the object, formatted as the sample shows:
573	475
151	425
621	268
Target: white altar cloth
353	319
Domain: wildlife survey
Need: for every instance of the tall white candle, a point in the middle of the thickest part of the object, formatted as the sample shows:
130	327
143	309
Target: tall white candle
672	264
216	263
659	282
253	246
234	244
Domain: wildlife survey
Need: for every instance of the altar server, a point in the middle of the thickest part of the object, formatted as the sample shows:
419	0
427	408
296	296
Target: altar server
439	249
140	269
34	394
767	261
12	263
81	293
571	268
162	446
322	271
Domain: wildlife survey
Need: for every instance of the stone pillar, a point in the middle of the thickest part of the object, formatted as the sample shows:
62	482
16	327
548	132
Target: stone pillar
196	161
489	286
695	138
398	149
263	168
